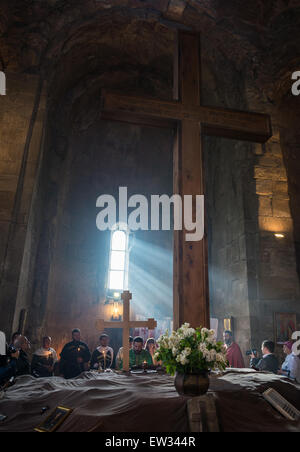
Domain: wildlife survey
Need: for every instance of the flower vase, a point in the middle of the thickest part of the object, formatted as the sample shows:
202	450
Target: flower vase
192	384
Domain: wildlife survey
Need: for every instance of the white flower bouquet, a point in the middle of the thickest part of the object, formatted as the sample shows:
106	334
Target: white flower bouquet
190	351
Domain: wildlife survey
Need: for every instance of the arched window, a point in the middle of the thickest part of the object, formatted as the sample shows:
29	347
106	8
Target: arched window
119	259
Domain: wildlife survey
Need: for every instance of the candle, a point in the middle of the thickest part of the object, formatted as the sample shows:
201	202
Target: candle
104	356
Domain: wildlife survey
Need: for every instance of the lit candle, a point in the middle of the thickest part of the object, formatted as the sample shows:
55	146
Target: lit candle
104	356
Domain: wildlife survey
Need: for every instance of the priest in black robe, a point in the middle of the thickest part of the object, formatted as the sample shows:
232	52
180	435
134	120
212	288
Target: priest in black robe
23	345
103	356
75	357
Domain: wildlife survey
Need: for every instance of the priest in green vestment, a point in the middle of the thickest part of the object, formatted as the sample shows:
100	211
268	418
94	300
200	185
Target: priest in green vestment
138	357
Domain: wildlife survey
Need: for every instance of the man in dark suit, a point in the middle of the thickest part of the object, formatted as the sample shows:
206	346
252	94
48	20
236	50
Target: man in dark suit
269	362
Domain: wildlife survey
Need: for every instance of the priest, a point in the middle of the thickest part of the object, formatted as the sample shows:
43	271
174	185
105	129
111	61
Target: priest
44	360
75	357
138	357
234	355
22	344
103	356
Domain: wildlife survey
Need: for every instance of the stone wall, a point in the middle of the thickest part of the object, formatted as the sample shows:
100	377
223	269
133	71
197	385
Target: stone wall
252	273
21	115
277	282
85	157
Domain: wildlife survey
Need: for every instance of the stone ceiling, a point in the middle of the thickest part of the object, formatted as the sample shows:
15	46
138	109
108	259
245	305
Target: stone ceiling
258	36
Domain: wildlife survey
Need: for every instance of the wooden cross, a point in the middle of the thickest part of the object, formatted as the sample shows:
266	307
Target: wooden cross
126	325
191	121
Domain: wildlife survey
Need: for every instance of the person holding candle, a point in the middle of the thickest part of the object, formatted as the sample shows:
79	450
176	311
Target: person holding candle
120	354
75	357
151	348
44	360
103	356
138	357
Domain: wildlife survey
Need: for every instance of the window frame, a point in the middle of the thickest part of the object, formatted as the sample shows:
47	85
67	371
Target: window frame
123	228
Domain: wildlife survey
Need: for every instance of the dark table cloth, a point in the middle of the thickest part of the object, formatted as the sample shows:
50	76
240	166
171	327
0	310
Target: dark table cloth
144	403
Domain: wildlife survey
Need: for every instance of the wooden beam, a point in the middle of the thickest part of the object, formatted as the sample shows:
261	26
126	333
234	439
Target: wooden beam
126	324
232	124
191	294
192	121
138	120
151	324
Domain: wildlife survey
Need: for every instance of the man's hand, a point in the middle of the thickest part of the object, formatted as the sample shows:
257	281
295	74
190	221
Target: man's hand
16	355
79	360
253	356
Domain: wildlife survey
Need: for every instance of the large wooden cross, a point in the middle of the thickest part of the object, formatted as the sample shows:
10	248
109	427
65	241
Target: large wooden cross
126	325
192	121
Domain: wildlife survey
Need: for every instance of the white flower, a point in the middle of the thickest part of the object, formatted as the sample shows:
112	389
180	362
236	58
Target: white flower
204	333
185	331
202	347
220	358
174	351
182	359
163	341
213	355
212	341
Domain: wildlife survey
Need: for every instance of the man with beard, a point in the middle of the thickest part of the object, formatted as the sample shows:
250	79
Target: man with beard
75	357
23	345
138	357
234	354
103	356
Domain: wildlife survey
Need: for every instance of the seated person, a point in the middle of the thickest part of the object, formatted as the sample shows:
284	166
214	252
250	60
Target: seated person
14	338
75	357
234	355
269	362
44	360
151	348
103	356
291	366
23	363
119	357
138	357
8	365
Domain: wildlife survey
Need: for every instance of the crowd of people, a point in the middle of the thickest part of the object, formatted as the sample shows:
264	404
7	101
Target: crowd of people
268	361
76	357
